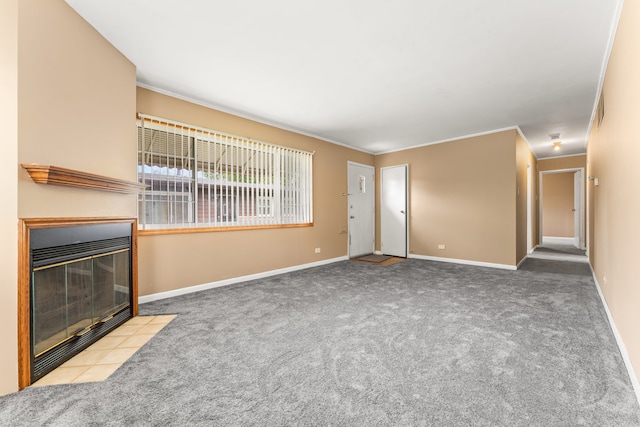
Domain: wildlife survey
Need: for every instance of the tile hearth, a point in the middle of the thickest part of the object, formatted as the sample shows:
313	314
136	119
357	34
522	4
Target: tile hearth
101	359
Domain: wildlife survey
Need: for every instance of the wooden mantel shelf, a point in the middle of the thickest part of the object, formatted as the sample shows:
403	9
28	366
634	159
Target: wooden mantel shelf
54	175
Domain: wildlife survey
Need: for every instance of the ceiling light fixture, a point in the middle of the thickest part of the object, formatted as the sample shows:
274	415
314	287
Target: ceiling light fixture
555	140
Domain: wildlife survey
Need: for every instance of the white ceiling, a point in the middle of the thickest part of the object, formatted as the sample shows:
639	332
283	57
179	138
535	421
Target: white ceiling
376	75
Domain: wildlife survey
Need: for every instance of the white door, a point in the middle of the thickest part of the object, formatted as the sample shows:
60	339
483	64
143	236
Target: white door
361	209
529	205
393	210
578	224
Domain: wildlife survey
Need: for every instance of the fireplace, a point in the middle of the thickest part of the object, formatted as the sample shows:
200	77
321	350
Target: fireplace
78	282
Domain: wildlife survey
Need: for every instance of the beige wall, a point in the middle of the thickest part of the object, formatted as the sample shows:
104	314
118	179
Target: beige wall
76	110
9	205
169	262
594	245
559	163
613	154
461	195
525	163
557	204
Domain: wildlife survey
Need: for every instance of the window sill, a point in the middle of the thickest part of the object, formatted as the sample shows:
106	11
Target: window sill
191	230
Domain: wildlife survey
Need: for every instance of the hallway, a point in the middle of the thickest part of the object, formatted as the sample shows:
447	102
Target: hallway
561	259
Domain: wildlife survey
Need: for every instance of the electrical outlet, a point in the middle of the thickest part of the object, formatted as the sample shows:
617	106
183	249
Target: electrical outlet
442	247
317	250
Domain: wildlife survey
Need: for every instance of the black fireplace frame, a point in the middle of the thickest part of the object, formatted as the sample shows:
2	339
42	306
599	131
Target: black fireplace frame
38	234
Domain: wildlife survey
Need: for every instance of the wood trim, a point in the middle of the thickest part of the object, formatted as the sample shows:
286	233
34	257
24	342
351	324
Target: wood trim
191	230
134	267
24	321
24	279
54	175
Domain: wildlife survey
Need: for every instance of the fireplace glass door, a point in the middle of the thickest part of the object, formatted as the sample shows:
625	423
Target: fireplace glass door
70	297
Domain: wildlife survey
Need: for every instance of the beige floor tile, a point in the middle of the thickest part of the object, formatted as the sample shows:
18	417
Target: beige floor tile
125	330
152	328
97	373
102	358
119	355
165	318
137	340
139	320
108	343
88	357
61	376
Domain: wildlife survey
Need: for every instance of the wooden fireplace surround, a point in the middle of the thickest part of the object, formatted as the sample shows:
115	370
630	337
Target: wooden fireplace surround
24	279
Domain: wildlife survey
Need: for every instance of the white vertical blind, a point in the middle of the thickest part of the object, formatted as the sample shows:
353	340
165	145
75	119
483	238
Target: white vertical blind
198	177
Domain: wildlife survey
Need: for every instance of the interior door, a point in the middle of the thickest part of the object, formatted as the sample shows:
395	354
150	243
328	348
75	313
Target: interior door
529	205
393	210
361	209
578	224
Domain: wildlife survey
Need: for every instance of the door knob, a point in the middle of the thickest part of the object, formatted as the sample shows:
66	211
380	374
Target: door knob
352	217
401	212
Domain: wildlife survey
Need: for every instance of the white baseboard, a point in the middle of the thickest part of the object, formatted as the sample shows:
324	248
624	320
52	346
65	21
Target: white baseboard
465	262
234	280
550	240
521	262
378	252
623	349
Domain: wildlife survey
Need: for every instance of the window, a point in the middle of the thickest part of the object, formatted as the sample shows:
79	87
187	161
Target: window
198	177
264	206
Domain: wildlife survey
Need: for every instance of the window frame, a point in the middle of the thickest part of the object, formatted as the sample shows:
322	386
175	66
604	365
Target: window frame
291	191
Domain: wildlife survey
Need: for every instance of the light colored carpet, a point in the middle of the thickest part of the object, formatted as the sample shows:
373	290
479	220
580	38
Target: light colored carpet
560	253
418	343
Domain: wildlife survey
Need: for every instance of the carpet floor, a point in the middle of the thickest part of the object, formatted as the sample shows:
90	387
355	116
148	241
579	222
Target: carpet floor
418	343
560	253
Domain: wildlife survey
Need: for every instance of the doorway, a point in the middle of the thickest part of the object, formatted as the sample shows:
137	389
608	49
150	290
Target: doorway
393	210
361	209
529	209
561	208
